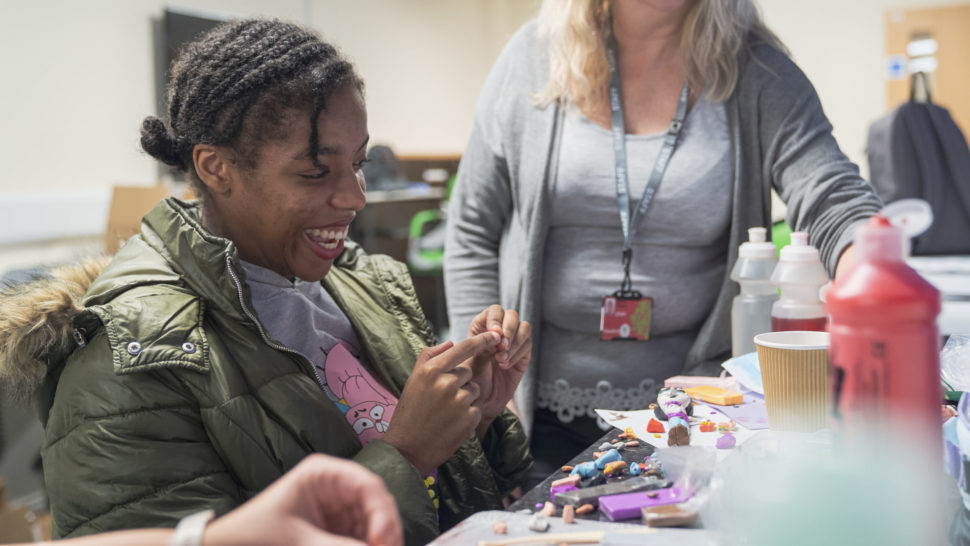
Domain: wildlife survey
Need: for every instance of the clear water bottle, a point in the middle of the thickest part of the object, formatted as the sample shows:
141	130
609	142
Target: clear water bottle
751	309
799	275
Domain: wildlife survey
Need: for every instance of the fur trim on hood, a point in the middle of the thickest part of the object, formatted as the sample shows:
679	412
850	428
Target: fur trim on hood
36	320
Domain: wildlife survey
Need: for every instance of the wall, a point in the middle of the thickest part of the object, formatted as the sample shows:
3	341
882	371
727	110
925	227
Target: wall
841	47
78	80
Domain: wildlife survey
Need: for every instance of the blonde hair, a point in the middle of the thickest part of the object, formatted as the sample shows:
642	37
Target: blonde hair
713	34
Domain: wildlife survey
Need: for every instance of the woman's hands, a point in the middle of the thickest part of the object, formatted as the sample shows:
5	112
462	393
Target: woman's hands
323	500
498	374
439	408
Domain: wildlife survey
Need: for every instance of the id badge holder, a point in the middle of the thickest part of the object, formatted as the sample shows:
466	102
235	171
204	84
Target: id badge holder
625	316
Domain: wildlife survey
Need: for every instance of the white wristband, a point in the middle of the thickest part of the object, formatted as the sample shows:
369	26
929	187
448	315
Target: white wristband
189	530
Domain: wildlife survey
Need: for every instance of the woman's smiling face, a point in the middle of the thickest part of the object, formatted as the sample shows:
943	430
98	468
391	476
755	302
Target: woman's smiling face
288	214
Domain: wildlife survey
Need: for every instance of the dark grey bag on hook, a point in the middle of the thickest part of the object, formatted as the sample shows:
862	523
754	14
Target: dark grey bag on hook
917	150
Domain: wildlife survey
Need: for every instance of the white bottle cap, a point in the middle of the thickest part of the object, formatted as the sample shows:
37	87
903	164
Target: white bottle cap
799	263
757	246
799	250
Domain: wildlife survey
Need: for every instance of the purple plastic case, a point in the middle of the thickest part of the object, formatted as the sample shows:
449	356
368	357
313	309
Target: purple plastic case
628	505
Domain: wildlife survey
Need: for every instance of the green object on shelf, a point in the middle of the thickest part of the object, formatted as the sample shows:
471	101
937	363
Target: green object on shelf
424	260
780	235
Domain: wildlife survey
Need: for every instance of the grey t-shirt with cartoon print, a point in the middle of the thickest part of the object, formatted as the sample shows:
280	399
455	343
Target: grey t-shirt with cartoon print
305	318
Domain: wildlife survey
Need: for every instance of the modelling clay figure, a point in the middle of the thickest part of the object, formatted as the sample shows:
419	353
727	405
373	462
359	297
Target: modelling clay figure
674	406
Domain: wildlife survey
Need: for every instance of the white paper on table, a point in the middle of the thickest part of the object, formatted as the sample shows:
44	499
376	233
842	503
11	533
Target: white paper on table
638	420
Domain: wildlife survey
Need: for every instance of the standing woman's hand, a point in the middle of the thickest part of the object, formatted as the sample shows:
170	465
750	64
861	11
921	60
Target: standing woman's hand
438	408
498	374
323	500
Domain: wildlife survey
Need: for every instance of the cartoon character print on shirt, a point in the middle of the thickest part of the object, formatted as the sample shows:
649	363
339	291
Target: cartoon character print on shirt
367	405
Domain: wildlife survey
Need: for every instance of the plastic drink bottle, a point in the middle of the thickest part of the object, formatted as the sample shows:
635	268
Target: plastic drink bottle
800	275
885	345
751	309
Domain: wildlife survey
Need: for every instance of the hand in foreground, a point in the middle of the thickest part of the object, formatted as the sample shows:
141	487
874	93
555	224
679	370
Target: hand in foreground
498	374
438	408
323	500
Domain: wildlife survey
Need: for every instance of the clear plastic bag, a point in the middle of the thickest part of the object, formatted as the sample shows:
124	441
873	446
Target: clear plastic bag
955	363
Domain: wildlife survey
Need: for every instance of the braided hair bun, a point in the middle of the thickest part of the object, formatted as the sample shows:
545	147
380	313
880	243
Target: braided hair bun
159	143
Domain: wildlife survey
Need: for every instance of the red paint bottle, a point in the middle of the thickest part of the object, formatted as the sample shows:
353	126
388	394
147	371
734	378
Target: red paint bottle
885	345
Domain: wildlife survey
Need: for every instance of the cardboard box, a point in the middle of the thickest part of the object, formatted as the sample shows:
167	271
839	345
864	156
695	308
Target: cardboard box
128	205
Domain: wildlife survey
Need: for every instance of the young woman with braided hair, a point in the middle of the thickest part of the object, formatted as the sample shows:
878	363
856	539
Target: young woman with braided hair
237	334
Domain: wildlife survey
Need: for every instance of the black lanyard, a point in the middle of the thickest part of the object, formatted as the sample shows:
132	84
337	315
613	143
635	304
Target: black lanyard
629	224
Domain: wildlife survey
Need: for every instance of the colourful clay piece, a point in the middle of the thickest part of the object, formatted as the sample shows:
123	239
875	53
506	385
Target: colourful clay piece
585	509
678	436
561	488
726	441
629	431
707	426
567	468
549	510
656	436
568	513
568	480
726	426
500	527
655	426
715	395
585	470
608	457
605	446
615	467
635	469
631	443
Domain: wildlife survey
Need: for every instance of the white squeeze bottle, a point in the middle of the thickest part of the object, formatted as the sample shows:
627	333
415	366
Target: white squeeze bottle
799	275
751	309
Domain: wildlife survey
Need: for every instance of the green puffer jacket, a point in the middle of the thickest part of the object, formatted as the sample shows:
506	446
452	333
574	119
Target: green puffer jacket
177	399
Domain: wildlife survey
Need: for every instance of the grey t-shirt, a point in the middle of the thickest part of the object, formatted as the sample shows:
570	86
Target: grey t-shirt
306	319
678	260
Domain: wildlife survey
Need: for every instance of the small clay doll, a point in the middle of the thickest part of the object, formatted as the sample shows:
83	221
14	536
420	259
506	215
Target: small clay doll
674	406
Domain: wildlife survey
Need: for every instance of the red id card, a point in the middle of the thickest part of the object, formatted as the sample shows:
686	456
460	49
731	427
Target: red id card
624	318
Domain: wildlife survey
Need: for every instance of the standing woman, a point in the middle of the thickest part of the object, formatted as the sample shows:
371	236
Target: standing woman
564	196
240	333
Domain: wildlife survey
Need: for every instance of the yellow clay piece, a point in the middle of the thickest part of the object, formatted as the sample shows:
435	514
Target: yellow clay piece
715	395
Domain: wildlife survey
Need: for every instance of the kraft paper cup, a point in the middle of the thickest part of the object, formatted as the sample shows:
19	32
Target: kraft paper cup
794	370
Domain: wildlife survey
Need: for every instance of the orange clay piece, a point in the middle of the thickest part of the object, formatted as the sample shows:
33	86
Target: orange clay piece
632	443
500	527
707	426
567	468
568	513
549	510
598	454
652	406
585	509
655	426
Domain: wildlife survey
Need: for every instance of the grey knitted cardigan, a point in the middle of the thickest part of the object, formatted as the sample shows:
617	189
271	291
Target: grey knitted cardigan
498	220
